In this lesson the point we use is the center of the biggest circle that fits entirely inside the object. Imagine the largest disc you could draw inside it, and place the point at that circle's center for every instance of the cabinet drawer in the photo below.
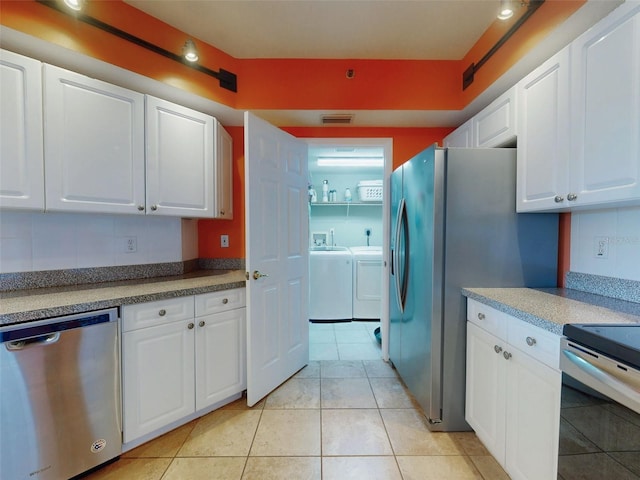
(150, 314)
(487, 318)
(220, 301)
(534, 341)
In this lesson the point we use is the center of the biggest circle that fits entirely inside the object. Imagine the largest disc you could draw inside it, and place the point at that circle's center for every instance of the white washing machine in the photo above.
(367, 282)
(330, 283)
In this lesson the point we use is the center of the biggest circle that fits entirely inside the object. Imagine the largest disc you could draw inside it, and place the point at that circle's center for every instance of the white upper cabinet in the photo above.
(495, 125)
(605, 127)
(461, 136)
(223, 173)
(579, 121)
(21, 138)
(94, 144)
(543, 144)
(180, 154)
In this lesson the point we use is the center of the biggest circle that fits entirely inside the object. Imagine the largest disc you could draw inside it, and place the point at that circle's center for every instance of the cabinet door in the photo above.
(605, 167)
(220, 356)
(179, 160)
(223, 174)
(460, 137)
(157, 375)
(533, 418)
(543, 141)
(485, 393)
(94, 144)
(495, 125)
(21, 158)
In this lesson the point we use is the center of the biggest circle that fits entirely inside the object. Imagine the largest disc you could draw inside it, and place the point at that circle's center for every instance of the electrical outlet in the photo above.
(224, 241)
(601, 247)
(367, 231)
(130, 244)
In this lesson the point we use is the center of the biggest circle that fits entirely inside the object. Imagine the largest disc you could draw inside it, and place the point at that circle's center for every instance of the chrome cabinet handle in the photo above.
(506, 355)
(201, 324)
(497, 348)
(558, 199)
(531, 341)
(190, 326)
(257, 275)
(481, 316)
(225, 301)
(140, 208)
(162, 312)
(154, 207)
(571, 197)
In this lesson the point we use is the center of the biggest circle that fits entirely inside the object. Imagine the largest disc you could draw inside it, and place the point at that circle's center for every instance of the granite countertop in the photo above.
(27, 305)
(551, 308)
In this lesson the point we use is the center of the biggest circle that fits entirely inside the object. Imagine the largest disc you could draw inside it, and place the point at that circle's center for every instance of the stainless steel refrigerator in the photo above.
(454, 225)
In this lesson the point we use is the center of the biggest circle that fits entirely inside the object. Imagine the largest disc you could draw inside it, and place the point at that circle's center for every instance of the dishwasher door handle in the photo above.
(48, 339)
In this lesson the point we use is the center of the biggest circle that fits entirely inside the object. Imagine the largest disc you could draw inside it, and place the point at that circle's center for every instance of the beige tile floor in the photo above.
(343, 341)
(335, 419)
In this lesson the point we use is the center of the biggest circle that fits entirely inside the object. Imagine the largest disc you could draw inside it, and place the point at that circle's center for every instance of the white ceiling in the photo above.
(330, 29)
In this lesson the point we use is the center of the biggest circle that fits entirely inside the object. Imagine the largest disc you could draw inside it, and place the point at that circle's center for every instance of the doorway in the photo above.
(349, 208)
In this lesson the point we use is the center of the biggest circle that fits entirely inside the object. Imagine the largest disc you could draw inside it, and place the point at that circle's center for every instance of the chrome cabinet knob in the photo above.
(225, 301)
(201, 324)
(154, 207)
(481, 316)
(162, 312)
(571, 197)
(140, 208)
(531, 341)
(257, 275)
(506, 355)
(190, 326)
(497, 348)
(558, 199)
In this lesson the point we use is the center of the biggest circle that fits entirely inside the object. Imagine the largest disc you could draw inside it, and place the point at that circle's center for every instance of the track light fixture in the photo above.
(532, 6)
(506, 10)
(75, 5)
(189, 56)
(189, 51)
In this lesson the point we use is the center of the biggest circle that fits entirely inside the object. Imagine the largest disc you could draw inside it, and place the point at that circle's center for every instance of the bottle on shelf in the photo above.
(347, 195)
(325, 190)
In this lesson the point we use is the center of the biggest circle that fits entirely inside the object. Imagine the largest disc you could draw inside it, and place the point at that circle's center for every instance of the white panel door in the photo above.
(277, 248)
(485, 389)
(94, 144)
(179, 160)
(532, 387)
(461, 136)
(21, 142)
(543, 141)
(605, 163)
(220, 356)
(157, 378)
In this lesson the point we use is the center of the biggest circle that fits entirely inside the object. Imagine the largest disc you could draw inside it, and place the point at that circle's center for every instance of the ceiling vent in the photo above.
(345, 119)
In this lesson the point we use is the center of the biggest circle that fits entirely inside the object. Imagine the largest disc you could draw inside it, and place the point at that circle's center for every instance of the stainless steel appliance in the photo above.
(600, 409)
(454, 225)
(59, 396)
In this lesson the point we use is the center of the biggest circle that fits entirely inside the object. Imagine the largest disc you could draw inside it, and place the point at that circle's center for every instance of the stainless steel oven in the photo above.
(600, 410)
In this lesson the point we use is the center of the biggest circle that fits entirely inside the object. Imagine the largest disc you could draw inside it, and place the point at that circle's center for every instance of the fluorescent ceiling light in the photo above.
(351, 161)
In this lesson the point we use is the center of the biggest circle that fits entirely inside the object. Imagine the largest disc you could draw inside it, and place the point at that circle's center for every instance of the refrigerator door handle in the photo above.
(401, 265)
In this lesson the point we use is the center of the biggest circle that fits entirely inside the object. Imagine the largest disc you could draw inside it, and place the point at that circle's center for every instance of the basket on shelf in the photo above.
(370, 190)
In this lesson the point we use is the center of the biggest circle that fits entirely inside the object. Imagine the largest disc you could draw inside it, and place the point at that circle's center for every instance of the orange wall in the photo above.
(285, 83)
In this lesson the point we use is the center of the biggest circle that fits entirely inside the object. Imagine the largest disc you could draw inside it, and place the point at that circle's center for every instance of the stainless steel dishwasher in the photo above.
(59, 396)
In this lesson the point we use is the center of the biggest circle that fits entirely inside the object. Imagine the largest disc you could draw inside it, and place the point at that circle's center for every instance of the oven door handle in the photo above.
(601, 376)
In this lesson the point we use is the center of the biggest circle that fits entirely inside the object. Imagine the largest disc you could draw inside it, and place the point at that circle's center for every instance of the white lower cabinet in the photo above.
(175, 363)
(513, 397)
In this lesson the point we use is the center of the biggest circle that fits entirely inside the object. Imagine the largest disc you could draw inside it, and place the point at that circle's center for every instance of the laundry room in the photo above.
(345, 253)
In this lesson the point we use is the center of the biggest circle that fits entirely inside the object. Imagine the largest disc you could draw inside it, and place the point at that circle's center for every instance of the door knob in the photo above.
(257, 275)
